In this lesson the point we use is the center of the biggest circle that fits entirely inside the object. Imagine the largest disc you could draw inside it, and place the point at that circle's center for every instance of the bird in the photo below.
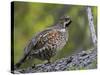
(47, 43)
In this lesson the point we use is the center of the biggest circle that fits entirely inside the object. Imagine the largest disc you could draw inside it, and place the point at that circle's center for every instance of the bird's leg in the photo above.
(48, 61)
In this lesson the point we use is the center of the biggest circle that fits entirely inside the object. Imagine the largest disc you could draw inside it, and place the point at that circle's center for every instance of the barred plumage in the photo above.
(48, 42)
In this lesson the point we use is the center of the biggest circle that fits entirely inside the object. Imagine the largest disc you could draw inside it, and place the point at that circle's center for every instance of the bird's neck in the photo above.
(62, 30)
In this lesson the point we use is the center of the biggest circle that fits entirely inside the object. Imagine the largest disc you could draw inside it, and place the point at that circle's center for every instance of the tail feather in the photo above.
(17, 65)
(27, 52)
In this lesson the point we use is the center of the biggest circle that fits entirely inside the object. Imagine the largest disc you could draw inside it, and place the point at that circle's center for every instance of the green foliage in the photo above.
(31, 18)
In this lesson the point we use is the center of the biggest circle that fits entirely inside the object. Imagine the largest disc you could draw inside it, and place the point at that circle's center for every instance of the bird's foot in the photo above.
(33, 66)
(48, 63)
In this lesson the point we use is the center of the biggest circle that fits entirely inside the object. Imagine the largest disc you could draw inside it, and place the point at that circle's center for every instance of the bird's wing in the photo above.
(37, 41)
(42, 38)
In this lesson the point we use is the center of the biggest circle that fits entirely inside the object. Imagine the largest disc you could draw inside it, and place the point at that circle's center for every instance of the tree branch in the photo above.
(82, 60)
(91, 25)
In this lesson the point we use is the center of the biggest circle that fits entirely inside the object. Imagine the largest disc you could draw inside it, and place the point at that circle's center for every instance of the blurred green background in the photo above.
(31, 18)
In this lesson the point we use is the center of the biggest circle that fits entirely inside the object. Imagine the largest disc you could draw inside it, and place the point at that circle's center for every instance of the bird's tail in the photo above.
(17, 65)
(27, 50)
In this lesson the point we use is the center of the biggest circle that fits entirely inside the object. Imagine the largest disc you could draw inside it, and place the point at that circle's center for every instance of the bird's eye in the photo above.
(66, 19)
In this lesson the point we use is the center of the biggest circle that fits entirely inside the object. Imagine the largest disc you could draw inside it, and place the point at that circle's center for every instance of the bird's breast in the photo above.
(57, 39)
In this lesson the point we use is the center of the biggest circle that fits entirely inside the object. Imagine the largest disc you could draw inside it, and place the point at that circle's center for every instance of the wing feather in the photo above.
(37, 41)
